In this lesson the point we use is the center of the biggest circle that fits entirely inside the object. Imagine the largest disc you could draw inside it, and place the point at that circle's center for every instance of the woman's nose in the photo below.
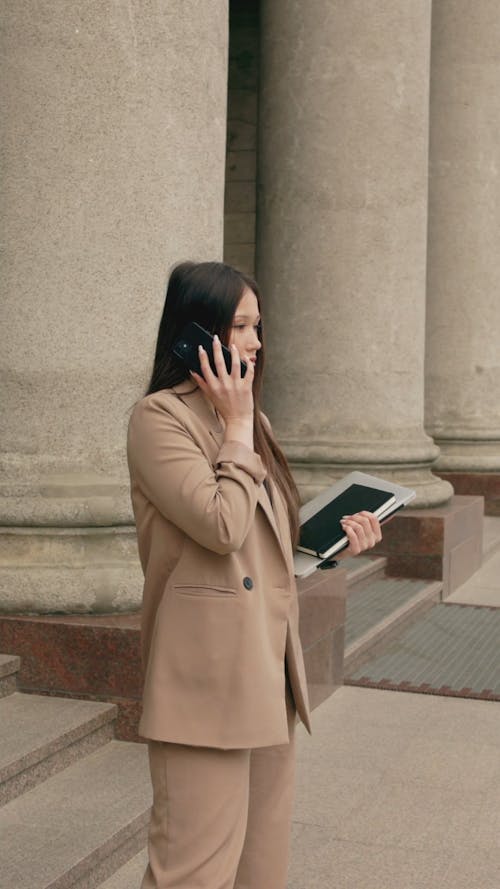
(256, 343)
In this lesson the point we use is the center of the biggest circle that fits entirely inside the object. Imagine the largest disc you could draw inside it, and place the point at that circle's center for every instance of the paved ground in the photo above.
(394, 791)
(401, 791)
(398, 791)
(483, 588)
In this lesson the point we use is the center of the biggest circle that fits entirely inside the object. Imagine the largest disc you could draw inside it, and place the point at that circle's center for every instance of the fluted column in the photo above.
(114, 150)
(342, 237)
(463, 313)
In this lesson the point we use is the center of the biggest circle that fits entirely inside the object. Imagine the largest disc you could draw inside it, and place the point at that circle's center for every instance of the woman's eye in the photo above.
(257, 327)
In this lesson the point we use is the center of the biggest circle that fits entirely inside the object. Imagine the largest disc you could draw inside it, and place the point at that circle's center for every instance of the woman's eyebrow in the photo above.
(245, 317)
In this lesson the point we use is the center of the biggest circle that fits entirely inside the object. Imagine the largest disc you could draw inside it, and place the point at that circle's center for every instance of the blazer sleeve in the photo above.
(215, 507)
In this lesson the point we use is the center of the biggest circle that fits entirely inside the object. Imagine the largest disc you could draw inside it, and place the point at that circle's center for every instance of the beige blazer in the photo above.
(220, 607)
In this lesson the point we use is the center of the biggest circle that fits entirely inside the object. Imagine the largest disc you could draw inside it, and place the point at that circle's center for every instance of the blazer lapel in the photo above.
(265, 503)
(191, 394)
(281, 516)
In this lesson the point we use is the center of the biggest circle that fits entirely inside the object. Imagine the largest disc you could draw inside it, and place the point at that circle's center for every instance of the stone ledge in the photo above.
(443, 543)
(322, 601)
(97, 657)
(90, 657)
(484, 484)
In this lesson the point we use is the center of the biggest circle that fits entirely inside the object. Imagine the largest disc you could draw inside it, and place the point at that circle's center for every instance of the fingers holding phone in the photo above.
(230, 393)
(187, 345)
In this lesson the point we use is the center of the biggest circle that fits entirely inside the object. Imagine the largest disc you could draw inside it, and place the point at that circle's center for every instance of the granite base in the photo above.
(484, 484)
(443, 543)
(98, 657)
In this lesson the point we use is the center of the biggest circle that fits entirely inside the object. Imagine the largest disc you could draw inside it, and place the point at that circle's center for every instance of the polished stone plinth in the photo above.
(97, 657)
(322, 600)
(444, 543)
(484, 484)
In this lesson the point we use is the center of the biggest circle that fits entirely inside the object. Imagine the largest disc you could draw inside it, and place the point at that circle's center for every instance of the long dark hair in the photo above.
(209, 293)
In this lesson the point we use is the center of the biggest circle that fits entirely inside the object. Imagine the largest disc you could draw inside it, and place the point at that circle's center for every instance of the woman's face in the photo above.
(244, 330)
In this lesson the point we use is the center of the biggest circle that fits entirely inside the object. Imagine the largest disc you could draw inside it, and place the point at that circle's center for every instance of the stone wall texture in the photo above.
(345, 152)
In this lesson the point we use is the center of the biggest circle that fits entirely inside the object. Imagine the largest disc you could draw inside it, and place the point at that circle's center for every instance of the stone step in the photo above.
(79, 826)
(452, 649)
(41, 735)
(375, 610)
(130, 875)
(88, 656)
(363, 567)
(9, 667)
(491, 536)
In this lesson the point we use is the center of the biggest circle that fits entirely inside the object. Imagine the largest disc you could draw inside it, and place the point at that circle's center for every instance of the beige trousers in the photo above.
(221, 818)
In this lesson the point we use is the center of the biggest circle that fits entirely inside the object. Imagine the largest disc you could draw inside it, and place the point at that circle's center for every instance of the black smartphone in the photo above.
(186, 348)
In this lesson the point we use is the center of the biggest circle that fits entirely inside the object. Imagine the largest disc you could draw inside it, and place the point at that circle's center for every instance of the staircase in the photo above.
(424, 644)
(74, 802)
(379, 605)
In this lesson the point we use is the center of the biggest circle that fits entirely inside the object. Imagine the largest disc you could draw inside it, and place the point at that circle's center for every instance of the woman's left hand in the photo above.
(363, 532)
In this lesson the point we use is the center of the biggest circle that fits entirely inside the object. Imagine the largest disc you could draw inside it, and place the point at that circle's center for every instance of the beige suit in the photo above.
(219, 621)
(220, 607)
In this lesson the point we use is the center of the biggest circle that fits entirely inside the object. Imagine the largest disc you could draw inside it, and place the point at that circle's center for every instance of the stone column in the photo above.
(463, 312)
(113, 150)
(342, 237)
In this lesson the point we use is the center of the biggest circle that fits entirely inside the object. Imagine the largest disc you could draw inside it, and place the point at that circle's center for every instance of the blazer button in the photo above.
(248, 583)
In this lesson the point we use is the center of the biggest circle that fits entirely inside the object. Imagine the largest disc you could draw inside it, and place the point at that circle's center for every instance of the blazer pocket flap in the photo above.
(196, 589)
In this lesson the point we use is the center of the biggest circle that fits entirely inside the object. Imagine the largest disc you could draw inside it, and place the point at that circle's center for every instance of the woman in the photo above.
(216, 510)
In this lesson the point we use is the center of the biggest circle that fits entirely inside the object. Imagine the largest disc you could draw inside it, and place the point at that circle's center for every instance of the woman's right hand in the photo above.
(230, 393)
